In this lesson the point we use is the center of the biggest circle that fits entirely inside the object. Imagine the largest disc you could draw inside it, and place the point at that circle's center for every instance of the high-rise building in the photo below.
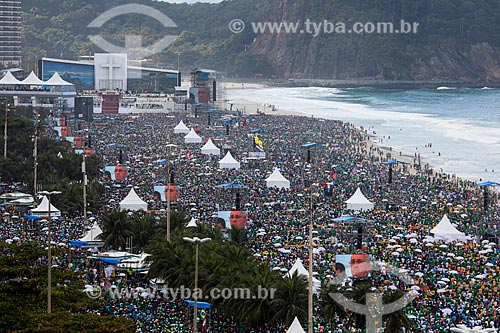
(10, 33)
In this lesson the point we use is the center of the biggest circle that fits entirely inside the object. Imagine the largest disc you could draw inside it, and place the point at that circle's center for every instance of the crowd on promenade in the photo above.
(456, 282)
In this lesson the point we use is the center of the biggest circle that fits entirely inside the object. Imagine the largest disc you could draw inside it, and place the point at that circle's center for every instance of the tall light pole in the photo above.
(5, 132)
(310, 279)
(84, 171)
(35, 154)
(49, 269)
(169, 183)
(196, 241)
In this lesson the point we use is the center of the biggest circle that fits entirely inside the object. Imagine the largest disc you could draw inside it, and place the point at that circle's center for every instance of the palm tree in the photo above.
(358, 295)
(395, 321)
(256, 310)
(144, 227)
(172, 261)
(116, 229)
(291, 299)
(331, 309)
(239, 236)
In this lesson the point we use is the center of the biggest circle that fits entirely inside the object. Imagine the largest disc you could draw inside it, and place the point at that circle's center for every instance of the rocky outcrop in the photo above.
(369, 57)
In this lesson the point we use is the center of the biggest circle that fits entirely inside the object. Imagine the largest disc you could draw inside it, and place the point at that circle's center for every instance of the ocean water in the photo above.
(463, 125)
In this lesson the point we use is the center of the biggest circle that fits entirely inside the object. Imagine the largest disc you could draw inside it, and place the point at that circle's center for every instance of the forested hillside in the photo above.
(456, 40)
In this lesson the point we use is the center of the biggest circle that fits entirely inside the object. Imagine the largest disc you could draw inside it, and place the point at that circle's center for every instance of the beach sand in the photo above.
(243, 85)
(250, 107)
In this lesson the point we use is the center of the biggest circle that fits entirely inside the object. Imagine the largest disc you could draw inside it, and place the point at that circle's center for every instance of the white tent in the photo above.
(181, 128)
(192, 137)
(93, 234)
(359, 202)
(446, 230)
(295, 327)
(192, 223)
(276, 179)
(56, 80)
(33, 80)
(210, 148)
(92, 237)
(301, 271)
(9, 79)
(133, 202)
(43, 209)
(228, 162)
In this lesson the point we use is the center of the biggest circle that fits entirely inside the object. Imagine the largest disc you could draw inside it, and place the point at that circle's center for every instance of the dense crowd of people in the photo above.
(455, 281)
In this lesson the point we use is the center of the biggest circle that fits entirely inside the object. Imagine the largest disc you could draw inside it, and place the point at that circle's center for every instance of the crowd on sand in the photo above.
(455, 282)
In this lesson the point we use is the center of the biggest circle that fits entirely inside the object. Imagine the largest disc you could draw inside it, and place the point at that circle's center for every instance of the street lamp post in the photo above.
(5, 132)
(169, 180)
(196, 241)
(84, 171)
(310, 280)
(49, 264)
(35, 153)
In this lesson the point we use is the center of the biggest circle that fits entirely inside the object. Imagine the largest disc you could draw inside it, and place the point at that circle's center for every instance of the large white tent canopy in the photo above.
(43, 209)
(56, 80)
(446, 230)
(9, 79)
(133, 202)
(295, 327)
(210, 149)
(33, 80)
(181, 128)
(192, 137)
(276, 179)
(92, 236)
(358, 202)
(301, 271)
(228, 162)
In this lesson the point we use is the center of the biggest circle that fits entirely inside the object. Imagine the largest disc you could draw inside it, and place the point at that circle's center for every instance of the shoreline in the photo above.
(253, 108)
(380, 84)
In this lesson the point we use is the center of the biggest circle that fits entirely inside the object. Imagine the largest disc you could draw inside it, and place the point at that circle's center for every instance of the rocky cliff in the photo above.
(444, 48)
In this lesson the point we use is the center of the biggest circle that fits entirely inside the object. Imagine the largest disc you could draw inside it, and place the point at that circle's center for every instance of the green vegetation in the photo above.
(117, 226)
(23, 297)
(227, 264)
(54, 173)
(55, 28)
(447, 30)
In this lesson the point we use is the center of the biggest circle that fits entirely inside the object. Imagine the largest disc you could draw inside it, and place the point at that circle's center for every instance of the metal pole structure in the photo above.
(35, 156)
(169, 183)
(168, 198)
(310, 287)
(84, 171)
(49, 259)
(195, 308)
(196, 241)
(49, 276)
(5, 133)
